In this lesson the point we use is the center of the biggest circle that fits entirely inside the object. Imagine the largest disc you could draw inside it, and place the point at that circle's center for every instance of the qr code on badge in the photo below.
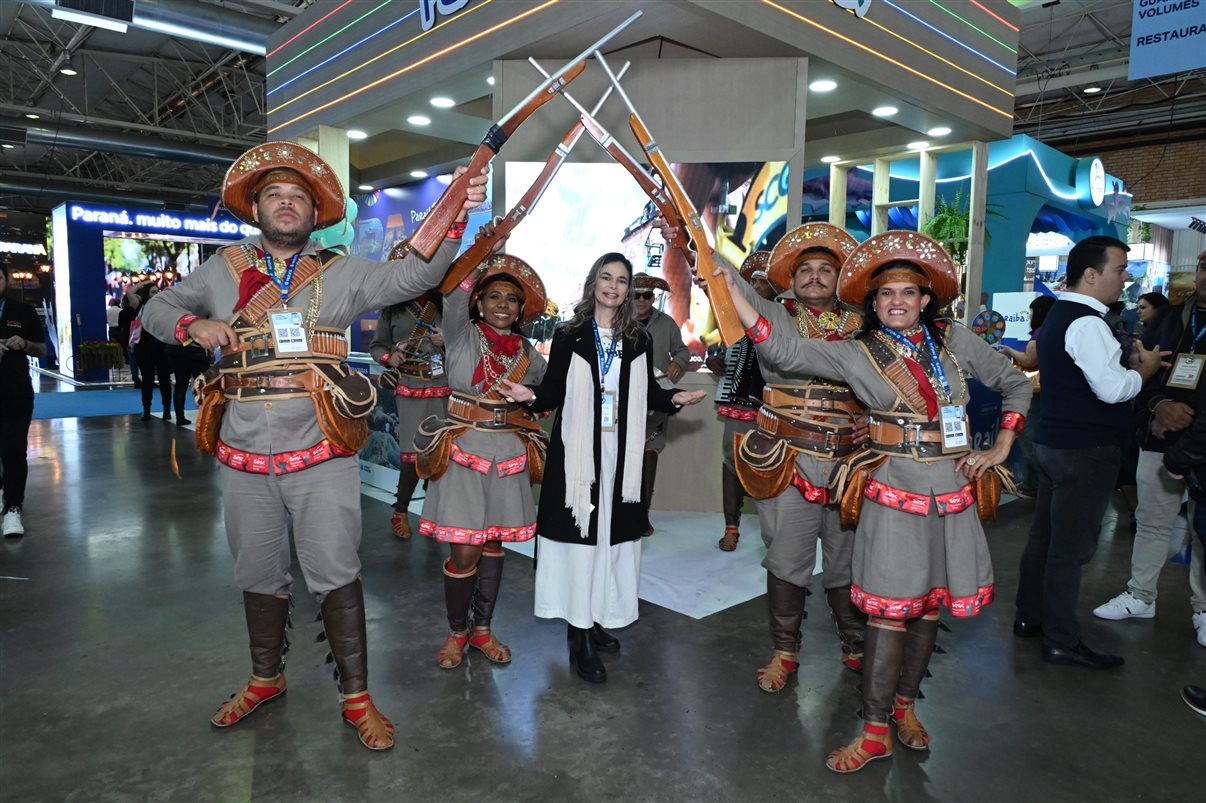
(295, 333)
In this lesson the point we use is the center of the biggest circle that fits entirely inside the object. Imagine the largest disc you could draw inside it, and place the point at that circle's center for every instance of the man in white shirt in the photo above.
(1085, 420)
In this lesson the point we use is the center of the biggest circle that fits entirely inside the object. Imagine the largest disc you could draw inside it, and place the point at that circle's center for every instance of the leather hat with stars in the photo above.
(504, 265)
(937, 271)
(757, 263)
(285, 162)
(643, 281)
(832, 241)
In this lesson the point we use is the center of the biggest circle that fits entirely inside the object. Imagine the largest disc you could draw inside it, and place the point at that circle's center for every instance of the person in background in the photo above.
(1149, 306)
(1028, 361)
(125, 321)
(186, 362)
(152, 356)
(112, 318)
(21, 336)
(670, 358)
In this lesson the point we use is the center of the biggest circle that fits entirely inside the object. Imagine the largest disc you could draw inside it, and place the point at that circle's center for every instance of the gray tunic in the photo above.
(395, 325)
(905, 564)
(467, 506)
(666, 347)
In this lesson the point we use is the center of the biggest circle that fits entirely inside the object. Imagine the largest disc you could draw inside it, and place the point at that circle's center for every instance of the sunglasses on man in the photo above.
(644, 295)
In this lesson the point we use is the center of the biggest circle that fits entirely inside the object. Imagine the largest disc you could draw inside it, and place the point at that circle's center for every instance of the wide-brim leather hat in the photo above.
(831, 240)
(309, 170)
(937, 271)
(534, 296)
(757, 263)
(643, 281)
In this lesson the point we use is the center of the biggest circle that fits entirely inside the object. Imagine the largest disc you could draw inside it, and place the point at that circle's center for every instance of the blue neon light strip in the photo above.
(963, 45)
(329, 59)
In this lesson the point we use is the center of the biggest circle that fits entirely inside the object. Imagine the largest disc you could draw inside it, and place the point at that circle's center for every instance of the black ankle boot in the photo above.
(603, 640)
(584, 657)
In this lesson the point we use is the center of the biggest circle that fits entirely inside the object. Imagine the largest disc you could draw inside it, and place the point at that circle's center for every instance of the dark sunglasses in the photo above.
(645, 295)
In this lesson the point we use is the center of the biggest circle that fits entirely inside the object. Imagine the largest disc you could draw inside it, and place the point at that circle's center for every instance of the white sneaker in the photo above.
(12, 526)
(1125, 606)
(1199, 624)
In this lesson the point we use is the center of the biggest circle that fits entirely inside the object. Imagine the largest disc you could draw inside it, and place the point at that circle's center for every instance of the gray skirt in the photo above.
(411, 412)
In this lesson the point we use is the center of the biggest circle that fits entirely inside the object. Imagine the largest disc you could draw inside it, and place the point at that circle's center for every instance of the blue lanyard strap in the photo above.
(608, 357)
(1198, 334)
(933, 350)
(282, 282)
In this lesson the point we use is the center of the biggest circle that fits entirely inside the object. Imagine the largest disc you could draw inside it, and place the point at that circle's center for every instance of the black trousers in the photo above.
(1074, 487)
(15, 415)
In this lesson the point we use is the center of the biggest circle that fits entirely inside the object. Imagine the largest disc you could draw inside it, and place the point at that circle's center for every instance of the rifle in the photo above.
(476, 253)
(432, 230)
(648, 183)
(727, 321)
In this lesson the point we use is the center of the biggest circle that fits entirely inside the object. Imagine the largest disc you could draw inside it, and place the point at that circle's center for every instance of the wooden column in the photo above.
(975, 235)
(880, 186)
(837, 195)
(926, 188)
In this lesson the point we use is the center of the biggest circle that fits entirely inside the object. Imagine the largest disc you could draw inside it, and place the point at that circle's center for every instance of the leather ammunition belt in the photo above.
(416, 369)
(896, 435)
(255, 348)
(480, 413)
(834, 440)
(242, 387)
(821, 399)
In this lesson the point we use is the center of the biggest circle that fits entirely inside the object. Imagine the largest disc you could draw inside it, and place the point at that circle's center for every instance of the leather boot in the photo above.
(851, 626)
(458, 597)
(785, 604)
(920, 636)
(732, 495)
(881, 671)
(342, 612)
(408, 480)
(603, 640)
(267, 616)
(648, 477)
(583, 656)
(489, 579)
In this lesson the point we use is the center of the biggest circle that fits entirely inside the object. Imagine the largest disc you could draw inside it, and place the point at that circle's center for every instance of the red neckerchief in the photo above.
(500, 346)
(250, 282)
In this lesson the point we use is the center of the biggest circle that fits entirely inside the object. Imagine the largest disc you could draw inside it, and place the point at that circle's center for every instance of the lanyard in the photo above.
(933, 349)
(605, 359)
(1198, 334)
(282, 283)
(3, 301)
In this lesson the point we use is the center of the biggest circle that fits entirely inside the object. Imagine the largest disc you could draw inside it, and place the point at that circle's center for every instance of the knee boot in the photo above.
(648, 477)
(785, 604)
(881, 672)
(408, 480)
(458, 597)
(267, 617)
(851, 626)
(342, 612)
(485, 595)
(733, 495)
(919, 641)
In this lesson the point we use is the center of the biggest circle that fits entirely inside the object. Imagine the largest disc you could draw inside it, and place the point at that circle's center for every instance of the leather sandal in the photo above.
(257, 692)
(484, 641)
(375, 731)
(909, 730)
(728, 541)
(773, 677)
(400, 524)
(853, 661)
(453, 651)
(874, 742)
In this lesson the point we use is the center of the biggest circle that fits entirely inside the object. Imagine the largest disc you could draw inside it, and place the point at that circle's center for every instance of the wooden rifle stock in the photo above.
(727, 321)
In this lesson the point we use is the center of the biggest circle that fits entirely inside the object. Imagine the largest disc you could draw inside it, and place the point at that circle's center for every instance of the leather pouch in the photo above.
(764, 464)
(345, 433)
(352, 393)
(849, 483)
(433, 447)
(211, 405)
(988, 491)
(537, 444)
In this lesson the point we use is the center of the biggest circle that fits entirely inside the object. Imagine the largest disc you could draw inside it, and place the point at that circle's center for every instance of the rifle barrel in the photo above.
(570, 97)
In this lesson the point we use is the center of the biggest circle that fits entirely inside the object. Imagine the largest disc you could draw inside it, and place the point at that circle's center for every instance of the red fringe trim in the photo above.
(911, 607)
(464, 535)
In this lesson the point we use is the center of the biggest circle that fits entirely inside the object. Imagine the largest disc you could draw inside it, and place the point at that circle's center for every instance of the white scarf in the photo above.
(578, 436)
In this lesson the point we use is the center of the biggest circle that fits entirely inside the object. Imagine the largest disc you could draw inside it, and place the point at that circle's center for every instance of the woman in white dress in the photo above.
(590, 521)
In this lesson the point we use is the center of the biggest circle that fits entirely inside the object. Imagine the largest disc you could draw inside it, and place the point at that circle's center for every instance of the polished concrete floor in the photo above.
(122, 631)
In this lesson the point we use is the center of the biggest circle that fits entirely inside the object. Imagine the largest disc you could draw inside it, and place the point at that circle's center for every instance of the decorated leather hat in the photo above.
(535, 298)
(285, 162)
(756, 265)
(937, 271)
(643, 281)
(833, 242)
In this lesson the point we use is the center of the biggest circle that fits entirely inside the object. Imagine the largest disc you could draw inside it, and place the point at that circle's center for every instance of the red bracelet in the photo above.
(457, 230)
(759, 331)
(182, 328)
(468, 283)
(384, 359)
(1013, 422)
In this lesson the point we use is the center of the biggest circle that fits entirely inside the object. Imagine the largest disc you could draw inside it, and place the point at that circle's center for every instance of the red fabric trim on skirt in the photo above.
(433, 392)
(736, 413)
(919, 504)
(911, 607)
(409, 457)
(280, 463)
(465, 535)
(810, 492)
(481, 465)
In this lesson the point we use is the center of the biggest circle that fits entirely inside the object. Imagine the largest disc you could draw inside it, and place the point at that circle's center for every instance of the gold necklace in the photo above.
(827, 323)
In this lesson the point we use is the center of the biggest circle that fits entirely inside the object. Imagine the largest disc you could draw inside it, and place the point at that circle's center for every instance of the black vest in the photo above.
(1072, 417)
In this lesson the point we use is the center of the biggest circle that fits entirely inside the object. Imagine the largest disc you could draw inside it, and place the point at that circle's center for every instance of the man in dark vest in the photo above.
(1086, 418)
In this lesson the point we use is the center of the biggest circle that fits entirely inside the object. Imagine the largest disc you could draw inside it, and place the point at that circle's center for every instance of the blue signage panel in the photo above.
(1167, 36)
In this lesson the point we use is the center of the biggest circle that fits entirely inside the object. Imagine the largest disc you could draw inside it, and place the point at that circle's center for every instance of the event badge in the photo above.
(607, 411)
(954, 428)
(437, 365)
(1186, 371)
(288, 332)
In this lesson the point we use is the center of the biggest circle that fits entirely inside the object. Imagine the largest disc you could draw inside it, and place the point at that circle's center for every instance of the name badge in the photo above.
(954, 427)
(437, 365)
(288, 332)
(1186, 371)
(607, 411)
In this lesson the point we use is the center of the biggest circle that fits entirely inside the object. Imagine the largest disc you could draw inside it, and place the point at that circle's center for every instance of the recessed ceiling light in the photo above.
(33, 116)
(418, 119)
(824, 85)
(884, 111)
(830, 159)
(940, 131)
(920, 145)
(7, 146)
(490, 80)
(443, 103)
(1091, 90)
(366, 188)
(355, 133)
(418, 174)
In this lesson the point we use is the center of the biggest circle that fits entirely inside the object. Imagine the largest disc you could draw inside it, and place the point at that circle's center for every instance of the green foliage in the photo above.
(951, 224)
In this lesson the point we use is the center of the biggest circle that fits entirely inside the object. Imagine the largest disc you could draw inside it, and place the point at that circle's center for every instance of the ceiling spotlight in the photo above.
(490, 80)
(418, 174)
(67, 69)
(940, 131)
(830, 159)
(443, 103)
(1091, 90)
(920, 145)
(355, 133)
(824, 85)
(7, 146)
(366, 188)
(33, 116)
(884, 111)
(418, 119)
